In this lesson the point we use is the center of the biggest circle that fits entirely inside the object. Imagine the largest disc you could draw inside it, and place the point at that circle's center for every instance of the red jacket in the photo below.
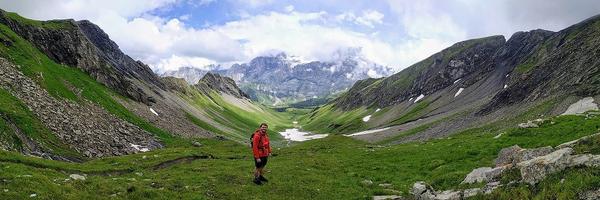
(260, 145)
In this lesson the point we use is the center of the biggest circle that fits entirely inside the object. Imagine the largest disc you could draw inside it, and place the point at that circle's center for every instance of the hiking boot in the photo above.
(257, 181)
(262, 178)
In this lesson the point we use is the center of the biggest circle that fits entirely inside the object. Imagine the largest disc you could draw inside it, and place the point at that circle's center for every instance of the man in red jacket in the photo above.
(261, 150)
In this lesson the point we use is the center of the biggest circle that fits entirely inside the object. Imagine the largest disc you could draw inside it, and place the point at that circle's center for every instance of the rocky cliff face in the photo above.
(214, 82)
(463, 63)
(85, 46)
(562, 63)
(536, 64)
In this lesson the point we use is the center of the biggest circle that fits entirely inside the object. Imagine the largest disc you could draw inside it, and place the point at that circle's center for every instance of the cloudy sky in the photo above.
(168, 34)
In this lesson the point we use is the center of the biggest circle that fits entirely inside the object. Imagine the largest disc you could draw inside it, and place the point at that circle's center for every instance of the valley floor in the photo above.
(336, 167)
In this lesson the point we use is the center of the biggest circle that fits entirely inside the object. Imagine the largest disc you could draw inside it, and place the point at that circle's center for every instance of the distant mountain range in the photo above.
(283, 79)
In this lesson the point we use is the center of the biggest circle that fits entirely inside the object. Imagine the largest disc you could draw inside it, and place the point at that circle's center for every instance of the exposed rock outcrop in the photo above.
(84, 45)
(533, 164)
(215, 82)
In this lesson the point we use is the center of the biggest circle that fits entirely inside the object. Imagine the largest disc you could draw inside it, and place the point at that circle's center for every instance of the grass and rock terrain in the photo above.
(335, 167)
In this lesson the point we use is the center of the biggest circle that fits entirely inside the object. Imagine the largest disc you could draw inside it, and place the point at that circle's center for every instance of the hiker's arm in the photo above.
(255, 141)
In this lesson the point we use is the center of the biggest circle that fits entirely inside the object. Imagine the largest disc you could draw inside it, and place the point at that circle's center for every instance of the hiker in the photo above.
(261, 150)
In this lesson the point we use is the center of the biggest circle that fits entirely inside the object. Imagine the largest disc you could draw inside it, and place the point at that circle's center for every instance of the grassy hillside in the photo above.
(327, 119)
(57, 79)
(243, 122)
(330, 168)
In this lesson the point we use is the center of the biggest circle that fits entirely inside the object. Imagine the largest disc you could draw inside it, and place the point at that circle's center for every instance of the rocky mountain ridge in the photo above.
(282, 78)
(476, 82)
(85, 46)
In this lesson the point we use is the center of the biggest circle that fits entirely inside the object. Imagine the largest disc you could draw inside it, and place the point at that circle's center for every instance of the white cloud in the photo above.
(185, 17)
(368, 18)
(175, 62)
(300, 34)
(289, 8)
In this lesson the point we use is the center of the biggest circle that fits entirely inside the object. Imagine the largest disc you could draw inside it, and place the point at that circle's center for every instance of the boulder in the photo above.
(575, 142)
(448, 195)
(491, 186)
(529, 124)
(471, 192)
(483, 174)
(528, 154)
(77, 177)
(590, 195)
(422, 191)
(506, 155)
(536, 169)
(388, 197)
(588, 160)
(366, 182)
(515, 154)
(196, 144)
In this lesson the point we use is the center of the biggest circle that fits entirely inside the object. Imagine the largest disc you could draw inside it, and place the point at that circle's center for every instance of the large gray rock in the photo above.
(448, 195)
(506, 155)
(515, 154)
(590, 195)
(77, 177)
(484, 174)
(575, 142)
(535, 170)
(528, 154)
(422, 191)
(388, 197)
(529, 124)
(471, 192)
(584, 160)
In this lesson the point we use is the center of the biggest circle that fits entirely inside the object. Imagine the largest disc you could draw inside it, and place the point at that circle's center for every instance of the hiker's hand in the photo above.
(270, 154)
(258, 160)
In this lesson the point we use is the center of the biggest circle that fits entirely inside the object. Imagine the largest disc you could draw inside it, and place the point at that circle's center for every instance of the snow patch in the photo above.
(459, 91)
(581, 106)
(419, 98)
(498, 136)
(295, 135)
(152, 110)
(368, 131)
(505, 86)
(367, 118)
(456, 81)
(139, 147)
(378, 109)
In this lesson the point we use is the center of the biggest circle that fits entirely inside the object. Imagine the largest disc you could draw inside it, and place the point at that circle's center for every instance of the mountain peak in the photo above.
(215, 82)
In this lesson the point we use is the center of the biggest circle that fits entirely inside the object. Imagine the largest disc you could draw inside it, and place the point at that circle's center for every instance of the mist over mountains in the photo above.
(281, 79)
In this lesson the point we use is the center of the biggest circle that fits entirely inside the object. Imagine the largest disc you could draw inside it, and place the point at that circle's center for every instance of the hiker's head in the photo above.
(263, 127)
